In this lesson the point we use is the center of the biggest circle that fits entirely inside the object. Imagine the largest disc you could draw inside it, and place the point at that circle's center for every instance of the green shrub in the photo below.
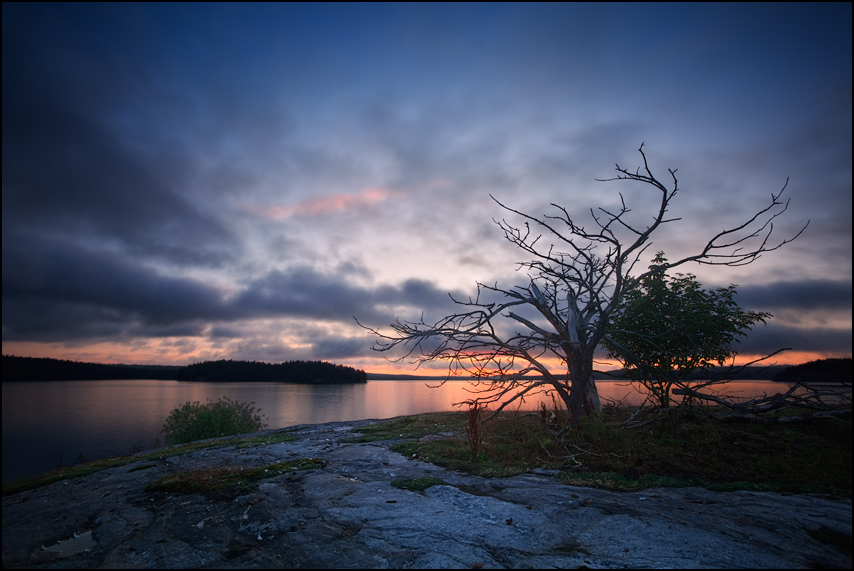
(194, 421)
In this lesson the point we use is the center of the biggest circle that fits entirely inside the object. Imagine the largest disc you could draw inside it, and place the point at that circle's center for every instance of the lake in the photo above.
(52, 422)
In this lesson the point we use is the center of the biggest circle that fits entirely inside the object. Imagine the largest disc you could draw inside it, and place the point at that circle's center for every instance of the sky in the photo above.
(190, 182)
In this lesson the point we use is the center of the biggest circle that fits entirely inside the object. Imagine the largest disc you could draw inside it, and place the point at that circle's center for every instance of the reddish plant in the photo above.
(473, 430)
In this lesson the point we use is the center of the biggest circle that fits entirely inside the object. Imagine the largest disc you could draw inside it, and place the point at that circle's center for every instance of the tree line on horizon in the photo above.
(288, 372)
(822, 370)
(46, 369)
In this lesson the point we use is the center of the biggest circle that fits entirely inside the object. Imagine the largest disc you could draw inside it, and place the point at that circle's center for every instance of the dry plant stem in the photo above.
(630, 423)
(473, 431)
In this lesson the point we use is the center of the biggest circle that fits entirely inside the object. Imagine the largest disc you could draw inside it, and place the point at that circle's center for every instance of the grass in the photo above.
(414, 426)
(79, 470)
(227, 483)
(418, 484)
(676, 450)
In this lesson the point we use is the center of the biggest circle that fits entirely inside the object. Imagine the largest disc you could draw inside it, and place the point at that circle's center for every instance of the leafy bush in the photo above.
(667, 328)
(194, 421)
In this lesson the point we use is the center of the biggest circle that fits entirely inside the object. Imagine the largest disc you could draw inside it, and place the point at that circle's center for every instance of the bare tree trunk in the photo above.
(591, 397)
(583, 396)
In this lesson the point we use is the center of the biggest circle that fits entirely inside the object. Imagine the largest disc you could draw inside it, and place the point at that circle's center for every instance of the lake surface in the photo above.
(52, 422)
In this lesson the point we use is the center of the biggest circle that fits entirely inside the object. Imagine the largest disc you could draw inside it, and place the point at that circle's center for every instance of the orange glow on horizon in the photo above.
(108, 353)
(785, 358)
(164, 354)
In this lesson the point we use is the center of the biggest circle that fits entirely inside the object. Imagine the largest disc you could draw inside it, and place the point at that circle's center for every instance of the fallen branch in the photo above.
(757, 409)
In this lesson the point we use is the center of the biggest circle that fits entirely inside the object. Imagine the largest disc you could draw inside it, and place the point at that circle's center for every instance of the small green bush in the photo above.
(194, 421)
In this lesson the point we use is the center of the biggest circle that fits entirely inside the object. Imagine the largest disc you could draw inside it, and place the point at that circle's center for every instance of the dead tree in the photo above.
(576, 278)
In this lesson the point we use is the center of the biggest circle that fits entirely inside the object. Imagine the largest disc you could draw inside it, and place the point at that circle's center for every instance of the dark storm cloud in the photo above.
(805, 295)
(765, 340)
(226, 332)
(101, 278)
(62, 174)
(301, 292)
(137, 137)
(334, 347)
(66, 171)
(54, 291)
(31, 319)
(305, 292)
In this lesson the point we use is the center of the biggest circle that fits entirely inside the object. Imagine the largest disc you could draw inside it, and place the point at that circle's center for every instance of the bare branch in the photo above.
(578, 277)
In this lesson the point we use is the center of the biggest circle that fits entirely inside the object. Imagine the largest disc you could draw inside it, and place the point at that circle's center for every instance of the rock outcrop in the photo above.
(348, 514)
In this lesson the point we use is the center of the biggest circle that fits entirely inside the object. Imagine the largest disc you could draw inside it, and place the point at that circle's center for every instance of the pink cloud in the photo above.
(321, 205)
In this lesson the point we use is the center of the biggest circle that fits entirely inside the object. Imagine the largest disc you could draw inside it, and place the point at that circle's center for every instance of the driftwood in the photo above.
(819, 402)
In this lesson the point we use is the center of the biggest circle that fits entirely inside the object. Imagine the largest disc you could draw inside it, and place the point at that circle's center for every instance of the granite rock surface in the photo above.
(348, 514)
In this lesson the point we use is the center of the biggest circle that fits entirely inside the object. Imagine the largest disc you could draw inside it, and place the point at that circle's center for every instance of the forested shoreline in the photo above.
(823, 370)
(288, 372)
(46, 369)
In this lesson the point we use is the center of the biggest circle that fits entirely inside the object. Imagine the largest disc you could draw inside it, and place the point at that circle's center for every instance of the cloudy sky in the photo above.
(193, 182)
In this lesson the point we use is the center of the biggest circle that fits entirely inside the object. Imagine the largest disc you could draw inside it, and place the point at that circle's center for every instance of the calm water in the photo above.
(46, 423)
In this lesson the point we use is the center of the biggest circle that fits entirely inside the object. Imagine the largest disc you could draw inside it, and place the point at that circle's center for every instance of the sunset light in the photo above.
(427, 285)
(355, 180)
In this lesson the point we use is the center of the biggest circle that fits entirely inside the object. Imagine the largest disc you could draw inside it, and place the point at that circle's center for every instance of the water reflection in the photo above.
(46, 421)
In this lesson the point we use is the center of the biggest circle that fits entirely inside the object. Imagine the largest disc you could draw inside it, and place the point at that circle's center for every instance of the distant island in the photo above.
(821, 371)
(290, 372)
(45, 369)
